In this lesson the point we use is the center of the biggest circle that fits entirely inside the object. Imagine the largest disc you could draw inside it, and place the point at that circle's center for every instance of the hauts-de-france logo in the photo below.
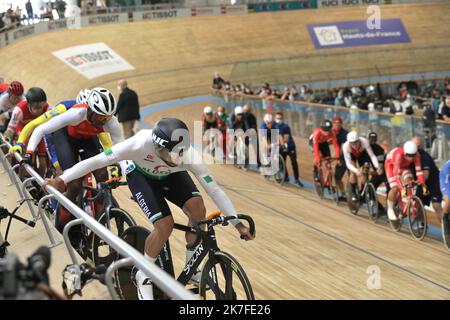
(328, 36)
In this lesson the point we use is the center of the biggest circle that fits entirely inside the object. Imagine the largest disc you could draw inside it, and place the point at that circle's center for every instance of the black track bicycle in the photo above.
(367, 196)
(101, 205)
(222, 277)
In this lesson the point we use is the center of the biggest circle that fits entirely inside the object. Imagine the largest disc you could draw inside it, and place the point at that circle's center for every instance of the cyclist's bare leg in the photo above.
(446, 206)
(438, 209)
(42, 167)
(101, 175)
(391, 199)
(195, 209)
(353, 181)
(162, 230)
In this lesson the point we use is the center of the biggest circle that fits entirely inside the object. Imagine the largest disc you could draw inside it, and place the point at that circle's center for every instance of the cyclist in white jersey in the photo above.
(156, 170)
(357, 150)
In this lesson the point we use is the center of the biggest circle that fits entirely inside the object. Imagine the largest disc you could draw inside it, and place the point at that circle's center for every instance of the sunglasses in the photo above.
(100, 118)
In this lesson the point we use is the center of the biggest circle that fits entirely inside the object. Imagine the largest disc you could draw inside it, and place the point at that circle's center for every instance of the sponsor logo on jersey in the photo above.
(208, 179)
(149, 158)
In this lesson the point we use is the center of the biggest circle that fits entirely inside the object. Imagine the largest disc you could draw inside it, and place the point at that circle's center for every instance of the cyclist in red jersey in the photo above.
(80, 128)
(319, 141)
(397, 166)
(12, 95)
(26, 111)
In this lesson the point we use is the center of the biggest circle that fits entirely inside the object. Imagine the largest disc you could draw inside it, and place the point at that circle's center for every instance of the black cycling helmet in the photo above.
(35, 94)
(171, 132)
(326, 125)
(373, 136)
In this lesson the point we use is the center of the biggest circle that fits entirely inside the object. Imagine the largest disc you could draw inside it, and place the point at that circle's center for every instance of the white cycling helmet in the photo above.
(238, 110)
(83, 96)
(410, 148)
(352, 136)
(268, 118)
(102, 102)
(207, 110)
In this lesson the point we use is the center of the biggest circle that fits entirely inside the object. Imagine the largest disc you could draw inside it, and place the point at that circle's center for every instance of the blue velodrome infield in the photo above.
(148, 110)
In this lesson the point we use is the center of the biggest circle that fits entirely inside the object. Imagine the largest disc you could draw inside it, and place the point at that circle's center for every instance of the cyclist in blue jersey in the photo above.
(444, 179)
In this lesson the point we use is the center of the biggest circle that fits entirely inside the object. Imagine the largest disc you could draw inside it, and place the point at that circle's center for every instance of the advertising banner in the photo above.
(56, 24)
(357, 33)
(104, 19)
(233, 9)
(93, 60)
(206, 11)
(281, 6)
(347, 3)
(161, 14)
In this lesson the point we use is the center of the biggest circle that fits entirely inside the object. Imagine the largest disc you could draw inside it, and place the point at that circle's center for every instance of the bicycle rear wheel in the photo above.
(370, 198)
(417, 219)
(119, 221)
(224, 279)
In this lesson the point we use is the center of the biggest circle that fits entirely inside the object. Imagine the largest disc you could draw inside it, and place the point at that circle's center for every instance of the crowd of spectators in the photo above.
(42, 11)
(409, 98)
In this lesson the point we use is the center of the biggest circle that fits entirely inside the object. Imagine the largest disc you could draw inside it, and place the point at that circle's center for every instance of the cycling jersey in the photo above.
(379, 152)
(3, 87)
(60, 108)
(444, 179)
(6, 106)
(21, 116)
(77, 127)
(210, 125)
(352, 153)
(140, 151)
(318, 137)
(396, 166)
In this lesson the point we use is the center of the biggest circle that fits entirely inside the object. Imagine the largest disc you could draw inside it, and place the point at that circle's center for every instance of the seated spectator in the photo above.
(293, 94)
(445, 111)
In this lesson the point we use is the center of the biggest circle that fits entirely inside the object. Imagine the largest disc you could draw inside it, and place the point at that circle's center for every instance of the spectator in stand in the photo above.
(29, 8)
(339, 101)
(293, 94)
(218, 82)
(127, 108)
(445, 111)
(60, 8)
(2, 23)
(287, 147)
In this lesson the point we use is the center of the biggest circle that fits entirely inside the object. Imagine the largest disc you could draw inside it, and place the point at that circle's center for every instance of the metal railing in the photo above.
(159, 277)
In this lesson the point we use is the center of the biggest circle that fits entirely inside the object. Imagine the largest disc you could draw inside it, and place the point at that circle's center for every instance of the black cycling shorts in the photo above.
(151, 194)
(363, 158)
(434, 191)
(69, 149)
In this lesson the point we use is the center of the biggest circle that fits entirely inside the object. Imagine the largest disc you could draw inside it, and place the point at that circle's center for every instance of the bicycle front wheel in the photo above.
(417, 218)
(281, 173)
(224, 279)
(370, 197)
(119, 221)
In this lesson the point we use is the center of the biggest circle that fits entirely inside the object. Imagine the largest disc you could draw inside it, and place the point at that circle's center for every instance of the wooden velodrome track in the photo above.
(304, 249)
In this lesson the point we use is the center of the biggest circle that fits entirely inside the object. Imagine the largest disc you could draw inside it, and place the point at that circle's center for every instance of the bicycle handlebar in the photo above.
(219, 220)
(107, 185)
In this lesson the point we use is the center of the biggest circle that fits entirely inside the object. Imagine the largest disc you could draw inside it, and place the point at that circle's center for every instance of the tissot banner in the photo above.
(93, 60)
(357, 33)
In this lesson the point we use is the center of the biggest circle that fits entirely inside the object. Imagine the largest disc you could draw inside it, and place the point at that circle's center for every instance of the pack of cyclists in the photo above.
(400, 167)
(155, 162)
(82, 135)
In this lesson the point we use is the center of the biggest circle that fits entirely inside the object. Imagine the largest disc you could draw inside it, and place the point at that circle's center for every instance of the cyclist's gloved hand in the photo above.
(16, 148)
(8, 136)
(245, 232)
(116, 171)
(425, 190)
(27, 157)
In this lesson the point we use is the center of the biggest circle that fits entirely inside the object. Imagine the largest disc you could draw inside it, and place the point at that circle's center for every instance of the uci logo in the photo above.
(159, 140)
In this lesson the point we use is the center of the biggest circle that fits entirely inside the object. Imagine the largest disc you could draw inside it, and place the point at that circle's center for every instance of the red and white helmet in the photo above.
(15, 88)
(268, 118)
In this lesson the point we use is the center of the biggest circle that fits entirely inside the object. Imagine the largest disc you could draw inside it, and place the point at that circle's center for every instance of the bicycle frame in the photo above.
(404, 207)
(207, 246)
